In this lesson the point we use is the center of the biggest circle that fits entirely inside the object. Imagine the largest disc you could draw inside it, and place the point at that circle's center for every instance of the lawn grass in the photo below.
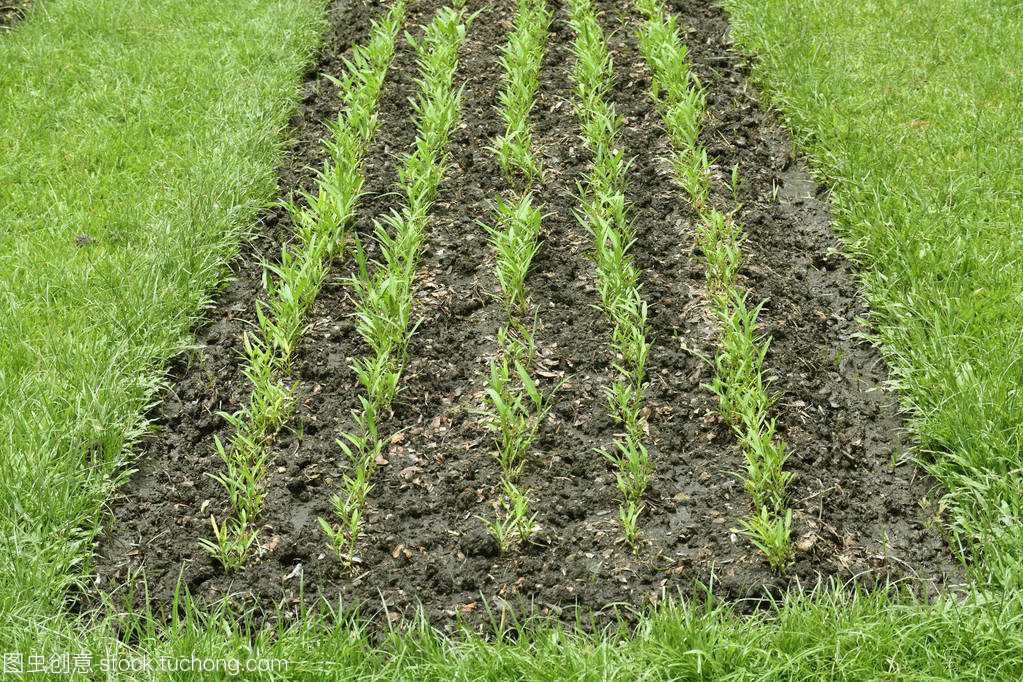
(911, 112)
(844, 635)
(139, 139)
(149, 131)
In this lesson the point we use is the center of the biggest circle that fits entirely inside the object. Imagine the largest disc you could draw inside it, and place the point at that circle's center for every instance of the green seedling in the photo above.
(513, 155)
(604, 214)
(738, 379)
(674, 87)
(720, 242)
(384, 288)
(772, 535)
(623, 402)
(515, 411)
(513, 518)
(270, 402)
(692, 170)
(521, 59)
(738, 366)
(245, 464)
(634, 468)
(766, 456)
(500, 529)
(518, 512)
(349, 509)
(516, 407)
(293, 283)
(232, 542)
(514, 238)
(628, 514)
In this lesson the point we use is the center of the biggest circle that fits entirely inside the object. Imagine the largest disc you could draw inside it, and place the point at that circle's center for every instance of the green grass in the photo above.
(911, 112)
(139, 139)
(852, 636)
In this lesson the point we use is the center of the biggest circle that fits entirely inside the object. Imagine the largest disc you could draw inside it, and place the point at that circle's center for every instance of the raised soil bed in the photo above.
(860, 509)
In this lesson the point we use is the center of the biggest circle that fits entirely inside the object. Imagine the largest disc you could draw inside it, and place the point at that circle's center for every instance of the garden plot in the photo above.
(636, 483)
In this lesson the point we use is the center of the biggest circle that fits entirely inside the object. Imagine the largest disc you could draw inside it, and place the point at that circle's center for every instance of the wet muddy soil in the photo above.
(860, 509)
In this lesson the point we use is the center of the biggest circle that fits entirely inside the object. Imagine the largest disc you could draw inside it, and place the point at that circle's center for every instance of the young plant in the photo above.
(720, 244)
(501, 528)
(244, 464)
(693, 172)
(766, 478)
(349, 509)
(604, 214)
(384, 288)
(515, 240)
(634, 469)
(233, 540)
(513, 518)
(738, 366)
(680, 96)
(521, 59)
(738, 378)
(292, 285)
(771, 533)
(516, 407)
(518, 513)
(743, 401)
(628, 515)
(677, 91)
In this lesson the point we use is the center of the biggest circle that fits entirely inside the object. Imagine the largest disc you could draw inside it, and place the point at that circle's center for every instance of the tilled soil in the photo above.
(860, 509)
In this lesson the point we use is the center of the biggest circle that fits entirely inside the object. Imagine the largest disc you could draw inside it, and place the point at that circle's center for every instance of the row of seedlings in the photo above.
(604, 215)
(384, 289)
(738, 383)
(515, 407)
(320, 228)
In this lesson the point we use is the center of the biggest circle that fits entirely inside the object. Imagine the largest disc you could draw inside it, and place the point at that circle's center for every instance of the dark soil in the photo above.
(860, 509)
(11, 12)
